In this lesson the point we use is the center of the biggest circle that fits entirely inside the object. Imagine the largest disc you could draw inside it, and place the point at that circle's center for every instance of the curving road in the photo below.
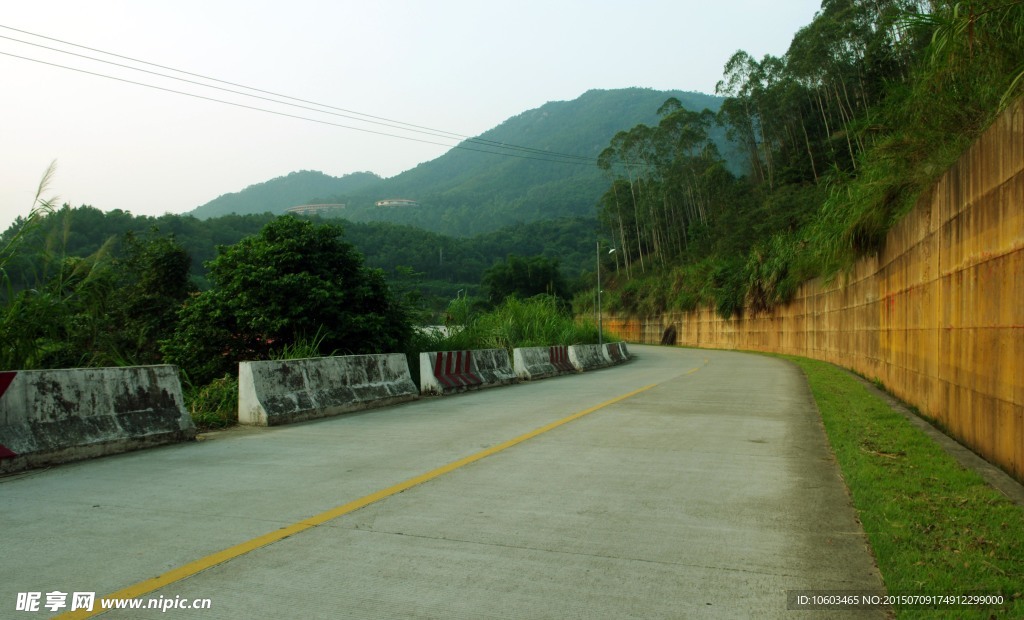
(687, 483)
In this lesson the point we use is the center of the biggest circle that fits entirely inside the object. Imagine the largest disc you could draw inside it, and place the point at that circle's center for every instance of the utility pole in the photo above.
(600, 327)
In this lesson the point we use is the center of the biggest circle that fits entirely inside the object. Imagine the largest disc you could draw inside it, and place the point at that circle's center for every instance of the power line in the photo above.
(285, 114)
(547, 155)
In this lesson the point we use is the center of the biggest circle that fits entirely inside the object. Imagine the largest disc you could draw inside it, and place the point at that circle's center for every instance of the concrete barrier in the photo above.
(617, 352)
(560, 358)
(445, 372)
(594, 356)
(284, 391)
(588, 357)
(54, 416)
(533, 363)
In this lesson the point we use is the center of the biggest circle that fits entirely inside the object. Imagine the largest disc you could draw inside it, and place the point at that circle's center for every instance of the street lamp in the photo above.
(600, 326)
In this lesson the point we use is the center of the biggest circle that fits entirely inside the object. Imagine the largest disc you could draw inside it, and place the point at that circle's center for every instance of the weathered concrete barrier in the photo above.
(283, 391)
(588, 357)
(54, 416)
(533, 363)
(444, 372)
(593, 356)
(617, 352)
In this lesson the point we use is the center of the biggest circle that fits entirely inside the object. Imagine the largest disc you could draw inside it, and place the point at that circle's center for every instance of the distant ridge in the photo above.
(291, 190)
(467, 192)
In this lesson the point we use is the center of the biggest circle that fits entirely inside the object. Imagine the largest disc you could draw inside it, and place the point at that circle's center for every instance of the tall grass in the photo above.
(214, 405)
(535, 322)
(19, 315)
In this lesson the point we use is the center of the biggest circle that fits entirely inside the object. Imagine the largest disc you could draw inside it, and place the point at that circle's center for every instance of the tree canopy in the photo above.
(523, 278)
(871, 102)
(294, 281)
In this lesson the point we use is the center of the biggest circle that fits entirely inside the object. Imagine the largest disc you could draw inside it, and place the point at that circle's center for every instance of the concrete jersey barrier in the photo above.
(443, 372)
(616, 352)
(589, 356)
(54, 416)
(533, 363)
(284, 391)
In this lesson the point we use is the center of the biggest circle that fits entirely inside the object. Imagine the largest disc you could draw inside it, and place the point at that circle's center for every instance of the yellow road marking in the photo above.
(693, 370)
(187, 570)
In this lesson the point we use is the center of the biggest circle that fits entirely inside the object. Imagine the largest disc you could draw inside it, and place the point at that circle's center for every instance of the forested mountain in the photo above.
(873, 100)
(474, 190)
(293, 189)
(437, 264)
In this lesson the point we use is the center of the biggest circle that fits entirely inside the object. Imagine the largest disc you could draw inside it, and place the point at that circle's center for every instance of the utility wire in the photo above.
(547, 155)
(295, 116)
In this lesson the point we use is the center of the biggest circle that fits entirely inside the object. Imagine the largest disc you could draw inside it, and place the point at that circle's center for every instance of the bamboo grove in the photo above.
(871, 102)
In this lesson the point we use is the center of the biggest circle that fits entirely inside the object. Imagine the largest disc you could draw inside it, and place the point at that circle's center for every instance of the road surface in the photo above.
(686, 483)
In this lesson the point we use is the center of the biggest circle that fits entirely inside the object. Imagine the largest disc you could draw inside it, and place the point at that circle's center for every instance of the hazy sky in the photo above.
(457, 65)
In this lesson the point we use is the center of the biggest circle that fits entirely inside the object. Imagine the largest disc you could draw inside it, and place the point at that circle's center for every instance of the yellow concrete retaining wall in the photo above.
(937, 316)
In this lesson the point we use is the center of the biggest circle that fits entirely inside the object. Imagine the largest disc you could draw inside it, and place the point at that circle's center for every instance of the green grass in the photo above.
(214, 405)
(535, 322)
(935, 527)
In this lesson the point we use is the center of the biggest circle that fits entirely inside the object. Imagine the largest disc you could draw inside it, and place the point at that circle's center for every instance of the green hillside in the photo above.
(466, 192)
(441, 264)
(841, 135)
(278, 194)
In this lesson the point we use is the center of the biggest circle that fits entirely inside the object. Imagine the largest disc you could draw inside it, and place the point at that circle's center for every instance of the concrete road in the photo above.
(688, 484)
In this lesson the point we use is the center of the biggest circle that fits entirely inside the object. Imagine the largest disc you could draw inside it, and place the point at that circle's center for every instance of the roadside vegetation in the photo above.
(935, 527)
(870, 104)
(431, 264)
(542, 320)
(295, 288)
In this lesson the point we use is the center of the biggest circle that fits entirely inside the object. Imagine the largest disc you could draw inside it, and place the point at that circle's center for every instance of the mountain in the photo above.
(467, 191)
(278, 194)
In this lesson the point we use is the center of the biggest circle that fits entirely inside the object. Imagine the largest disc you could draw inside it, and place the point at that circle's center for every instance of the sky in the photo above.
(460, 66)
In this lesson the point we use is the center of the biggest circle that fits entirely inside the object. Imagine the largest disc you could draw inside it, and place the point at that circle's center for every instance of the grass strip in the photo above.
(936, 528)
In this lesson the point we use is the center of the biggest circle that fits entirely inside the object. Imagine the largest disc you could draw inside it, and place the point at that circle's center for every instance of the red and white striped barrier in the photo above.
(532, 363)
(444, 372)
(6, 378)
(616, 352)
(559, 357)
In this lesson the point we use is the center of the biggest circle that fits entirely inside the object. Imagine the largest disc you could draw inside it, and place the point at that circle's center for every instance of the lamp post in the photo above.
(600, 326)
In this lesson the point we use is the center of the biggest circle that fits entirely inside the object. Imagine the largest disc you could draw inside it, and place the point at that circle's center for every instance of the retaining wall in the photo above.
(54, 416)
(279, 392)
(937, 315)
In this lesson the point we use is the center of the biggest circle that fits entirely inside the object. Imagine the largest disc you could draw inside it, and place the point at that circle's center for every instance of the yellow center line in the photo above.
(197, 566)
(695, 369)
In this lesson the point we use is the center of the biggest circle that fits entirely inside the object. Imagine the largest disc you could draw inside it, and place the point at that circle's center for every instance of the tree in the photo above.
(294, 281)
(523, 278)
(154, 283)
